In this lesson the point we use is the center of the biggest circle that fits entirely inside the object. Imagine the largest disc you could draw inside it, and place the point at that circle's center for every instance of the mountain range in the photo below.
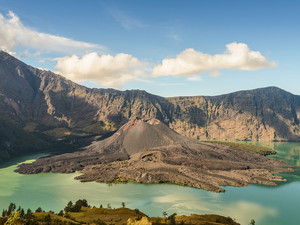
(40, 110)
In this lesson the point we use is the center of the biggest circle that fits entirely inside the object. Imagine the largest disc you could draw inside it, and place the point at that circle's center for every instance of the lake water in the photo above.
(279, 205)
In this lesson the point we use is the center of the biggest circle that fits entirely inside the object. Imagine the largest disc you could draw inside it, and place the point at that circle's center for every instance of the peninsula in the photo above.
(148, 151)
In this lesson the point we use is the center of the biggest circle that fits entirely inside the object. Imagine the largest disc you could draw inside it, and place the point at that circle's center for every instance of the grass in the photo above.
(208, 219)
(247, 147)
(120, 216)
(108, 216)
(40, 215)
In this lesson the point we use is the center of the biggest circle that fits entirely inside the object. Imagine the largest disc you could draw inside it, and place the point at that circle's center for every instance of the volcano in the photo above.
(148, 151)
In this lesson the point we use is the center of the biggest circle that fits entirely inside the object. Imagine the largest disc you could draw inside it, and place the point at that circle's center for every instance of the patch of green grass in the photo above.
(109, 216)
(100, 128)
(247, 147)
(55, 219)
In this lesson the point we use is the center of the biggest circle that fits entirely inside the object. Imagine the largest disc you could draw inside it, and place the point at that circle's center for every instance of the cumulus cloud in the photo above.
(14, 34)
(238, 56)
(106, 70)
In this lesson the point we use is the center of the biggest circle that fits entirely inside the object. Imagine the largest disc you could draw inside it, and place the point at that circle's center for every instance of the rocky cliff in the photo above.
(43, 103)
(266, 114)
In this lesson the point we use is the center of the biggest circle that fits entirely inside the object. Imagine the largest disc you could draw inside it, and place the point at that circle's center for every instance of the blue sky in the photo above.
(120, 43)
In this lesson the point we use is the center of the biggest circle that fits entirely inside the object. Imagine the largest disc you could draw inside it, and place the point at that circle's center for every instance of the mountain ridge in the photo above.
(42, 102)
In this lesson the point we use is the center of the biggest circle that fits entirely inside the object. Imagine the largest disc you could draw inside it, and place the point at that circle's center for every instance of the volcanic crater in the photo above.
(148, 151)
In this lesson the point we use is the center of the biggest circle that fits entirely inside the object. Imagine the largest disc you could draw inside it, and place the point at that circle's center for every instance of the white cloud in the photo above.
(106, 70)
(14, 34)
(238, 56)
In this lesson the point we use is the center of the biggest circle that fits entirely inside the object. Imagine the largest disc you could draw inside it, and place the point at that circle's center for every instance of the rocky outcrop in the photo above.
(44, 103)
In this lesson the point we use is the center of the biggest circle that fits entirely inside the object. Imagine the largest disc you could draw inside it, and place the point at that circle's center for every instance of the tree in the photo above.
(22, 213)
(108, 206)
(82, 203)
(123, 204)
(4, 213)
(172, 218)
(69, 206)
(14, 219)
(165, 213)
(61, 213)
(28, 214)
(12, 207)
(39, 209)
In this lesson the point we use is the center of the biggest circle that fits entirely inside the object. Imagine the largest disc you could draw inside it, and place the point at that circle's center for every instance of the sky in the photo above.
(166, 47)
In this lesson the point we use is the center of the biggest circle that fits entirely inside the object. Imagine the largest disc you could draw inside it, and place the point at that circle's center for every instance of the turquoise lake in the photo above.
(267, 205)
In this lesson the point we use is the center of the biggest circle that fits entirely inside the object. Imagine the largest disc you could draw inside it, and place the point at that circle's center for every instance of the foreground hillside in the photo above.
(82, 213)
(50, 108)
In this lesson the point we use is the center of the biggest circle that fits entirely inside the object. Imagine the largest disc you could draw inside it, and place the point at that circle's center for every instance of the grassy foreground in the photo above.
(81, 213)
(246, 147)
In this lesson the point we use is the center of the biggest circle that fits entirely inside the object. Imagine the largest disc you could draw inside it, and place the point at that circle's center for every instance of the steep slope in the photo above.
(41, 102)
(13, 140)
(29, 94)
(266, 114)
(45, 103)
(147, 151)
(139, 135)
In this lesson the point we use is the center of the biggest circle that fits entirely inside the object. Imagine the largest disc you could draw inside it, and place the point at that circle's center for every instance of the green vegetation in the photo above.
(76, 208)
(82, 213)
(246, 147)
(100, 128)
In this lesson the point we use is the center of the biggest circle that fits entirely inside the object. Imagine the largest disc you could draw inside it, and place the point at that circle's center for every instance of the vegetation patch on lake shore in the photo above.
(246, 147)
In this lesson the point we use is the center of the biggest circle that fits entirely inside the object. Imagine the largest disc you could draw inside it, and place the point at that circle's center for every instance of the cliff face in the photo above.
(31, 95)
(265, 114)
(41, 102)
